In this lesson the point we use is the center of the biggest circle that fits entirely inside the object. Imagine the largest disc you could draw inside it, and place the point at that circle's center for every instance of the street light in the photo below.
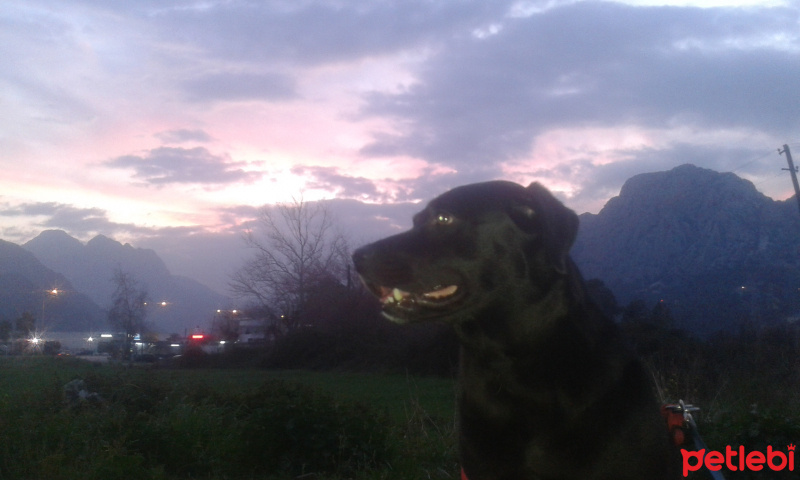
(54, 293)
(35, 342)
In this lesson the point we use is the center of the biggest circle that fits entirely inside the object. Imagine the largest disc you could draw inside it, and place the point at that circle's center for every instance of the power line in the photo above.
(768, 179)
(766, 154)
(752, 161)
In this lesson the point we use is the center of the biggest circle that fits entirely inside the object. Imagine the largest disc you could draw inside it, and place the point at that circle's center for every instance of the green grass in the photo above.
(173, 424)
(400, 395)
(260, 424)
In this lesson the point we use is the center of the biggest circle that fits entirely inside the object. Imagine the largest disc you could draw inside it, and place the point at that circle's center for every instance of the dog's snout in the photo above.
(378, 262)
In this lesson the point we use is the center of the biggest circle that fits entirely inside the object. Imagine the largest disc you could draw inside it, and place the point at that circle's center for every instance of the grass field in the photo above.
(174, 424)
(193, 423)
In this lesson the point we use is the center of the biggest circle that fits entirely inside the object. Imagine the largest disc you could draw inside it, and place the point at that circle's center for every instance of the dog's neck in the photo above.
(554, 345)
(516, 320)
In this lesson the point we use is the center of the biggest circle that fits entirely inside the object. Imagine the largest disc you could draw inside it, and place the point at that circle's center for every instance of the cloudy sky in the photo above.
(167, 124)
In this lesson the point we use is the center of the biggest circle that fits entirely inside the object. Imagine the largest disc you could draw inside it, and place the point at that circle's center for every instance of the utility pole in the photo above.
(792, 170)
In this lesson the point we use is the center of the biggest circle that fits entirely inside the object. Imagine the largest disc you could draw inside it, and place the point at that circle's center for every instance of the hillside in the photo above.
(25, 286)
(709, 245)
(90, 268)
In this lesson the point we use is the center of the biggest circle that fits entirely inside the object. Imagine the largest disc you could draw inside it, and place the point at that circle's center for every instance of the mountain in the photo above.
(25, 286)
(90, 268)
(708, 245)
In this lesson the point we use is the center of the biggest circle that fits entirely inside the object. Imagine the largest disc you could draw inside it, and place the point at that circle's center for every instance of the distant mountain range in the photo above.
(717, 252)
(84, 282)
(708, 245)
(26, 287)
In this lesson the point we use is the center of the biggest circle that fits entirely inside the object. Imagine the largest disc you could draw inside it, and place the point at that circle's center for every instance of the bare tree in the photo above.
(128, 312)
(26, 325)
(296, 249)
(5, 330)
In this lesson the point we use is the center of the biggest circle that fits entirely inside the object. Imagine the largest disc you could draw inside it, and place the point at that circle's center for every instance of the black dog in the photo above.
(547, 387)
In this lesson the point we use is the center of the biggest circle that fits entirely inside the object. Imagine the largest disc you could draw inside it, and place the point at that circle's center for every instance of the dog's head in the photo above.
(469, 248)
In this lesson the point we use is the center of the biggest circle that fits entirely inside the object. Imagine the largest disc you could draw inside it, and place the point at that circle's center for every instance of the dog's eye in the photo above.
(444, 219)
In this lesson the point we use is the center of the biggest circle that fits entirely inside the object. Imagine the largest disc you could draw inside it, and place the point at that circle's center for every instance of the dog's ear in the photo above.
(542, 214)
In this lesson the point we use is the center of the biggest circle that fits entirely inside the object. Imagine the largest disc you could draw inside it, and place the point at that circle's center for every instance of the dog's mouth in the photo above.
(402, 305)
(391, 296)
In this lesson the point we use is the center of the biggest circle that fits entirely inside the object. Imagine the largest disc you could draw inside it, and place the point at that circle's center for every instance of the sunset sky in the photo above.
(167, 124)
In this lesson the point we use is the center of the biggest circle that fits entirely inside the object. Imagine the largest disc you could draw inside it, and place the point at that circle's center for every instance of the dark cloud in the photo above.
(366, 222)
(314, 32)
(484, 100)
(237, 214)
(80, 222)
(30, 209)
(183, 135)
(241, 86)
(345, 186)
(81, 219)
(165, 165)
(57, 212)
(597, 183)
(486, 84)
(430, 184)
(411, 190)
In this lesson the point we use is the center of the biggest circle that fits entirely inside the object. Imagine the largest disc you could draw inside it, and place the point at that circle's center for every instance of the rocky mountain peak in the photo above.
(667, 230)
(55, 239)
(685, 188)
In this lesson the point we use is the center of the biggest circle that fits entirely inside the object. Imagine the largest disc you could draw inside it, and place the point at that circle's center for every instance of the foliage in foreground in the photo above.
(746, 382)
(150, 428)
(238, 424)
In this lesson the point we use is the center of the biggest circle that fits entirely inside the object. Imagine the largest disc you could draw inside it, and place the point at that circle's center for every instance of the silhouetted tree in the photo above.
(296, 249)
(128, 311)
(5, 330)
(635, 312)
(662, 316)
(26, 324)
(603, 297)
